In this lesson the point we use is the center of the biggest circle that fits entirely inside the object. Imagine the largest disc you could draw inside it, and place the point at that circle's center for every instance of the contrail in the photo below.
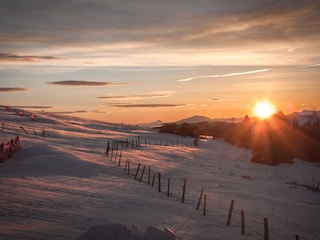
(225, 75)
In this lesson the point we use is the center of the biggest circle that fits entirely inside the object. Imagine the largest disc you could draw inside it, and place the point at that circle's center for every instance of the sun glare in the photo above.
(264, 109)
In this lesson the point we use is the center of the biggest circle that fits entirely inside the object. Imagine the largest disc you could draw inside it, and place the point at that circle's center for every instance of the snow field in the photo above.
(60, 185)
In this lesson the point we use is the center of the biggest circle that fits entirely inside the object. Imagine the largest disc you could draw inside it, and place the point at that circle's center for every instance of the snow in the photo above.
(63, 186)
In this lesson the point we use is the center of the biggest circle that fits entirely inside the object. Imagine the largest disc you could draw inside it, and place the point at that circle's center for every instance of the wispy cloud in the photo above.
(33, 107)
(5, 57)
(12, 89)
(133, 97)
(84, 83)
(312, 65)
(223, 99)
(146, 105)
(224, 75)
(70, 112)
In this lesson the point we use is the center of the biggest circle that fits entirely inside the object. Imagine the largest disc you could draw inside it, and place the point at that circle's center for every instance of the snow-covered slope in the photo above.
(62, 185)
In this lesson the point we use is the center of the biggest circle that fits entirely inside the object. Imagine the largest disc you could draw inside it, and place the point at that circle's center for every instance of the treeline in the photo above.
(273, 141)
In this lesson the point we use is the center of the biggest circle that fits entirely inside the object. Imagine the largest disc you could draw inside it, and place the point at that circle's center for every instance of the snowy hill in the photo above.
(194, 119)
(63, 186)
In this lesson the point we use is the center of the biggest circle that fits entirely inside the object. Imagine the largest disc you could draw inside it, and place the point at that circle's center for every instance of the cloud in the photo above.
(97, 111)
(12, 89)
(120, 33)
(4, 57)
(224, 75)
(223, 100)
(146, 105)
(133, 97)
(33, 107)
(70, 112)
(84, 83)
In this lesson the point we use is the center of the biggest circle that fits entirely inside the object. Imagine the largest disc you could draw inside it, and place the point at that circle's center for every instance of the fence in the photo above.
(23, 129)
(136, 142)
(157, 180)
(8, 149)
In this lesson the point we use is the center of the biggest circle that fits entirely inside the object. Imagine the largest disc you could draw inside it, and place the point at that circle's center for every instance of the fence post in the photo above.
(199, 201)
(125, 165)
(159, 182)
(149, 172)
(135, 177)
(119, 163)
(242, 223)
(108, 149)
(115, 158)
(144, 167)
(230, 212)
(184, 190)
(153, 177)
(129, 167)
(111, 155)
(266, 229)
(168, 194)
(205, 205)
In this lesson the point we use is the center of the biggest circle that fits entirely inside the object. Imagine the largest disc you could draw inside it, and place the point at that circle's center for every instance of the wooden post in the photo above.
(125, 165)
(108, 149)
(119, 163)
(144, 167)
(115, 158)
(297, 237)
(159, 182)
(266, 229)
(242, 223)
(111, 155)
(128, 167)
(199, 201)
(135, 177)
(168, 194)
(205, 205)
(149, 172)
(153, 177)
(230, 212)
(184, 190)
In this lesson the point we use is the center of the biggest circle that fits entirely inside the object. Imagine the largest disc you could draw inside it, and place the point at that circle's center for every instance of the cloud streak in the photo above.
(84, 83)
(12, 89)
(34, 107)
(224, 75)
(159, 105)
(133, 97)
(4, 57)
(223, 100)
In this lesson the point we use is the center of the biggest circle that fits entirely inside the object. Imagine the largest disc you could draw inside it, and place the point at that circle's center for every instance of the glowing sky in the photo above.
(136, 61)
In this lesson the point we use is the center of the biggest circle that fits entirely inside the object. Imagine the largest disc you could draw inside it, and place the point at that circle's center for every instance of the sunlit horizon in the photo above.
(131, 62)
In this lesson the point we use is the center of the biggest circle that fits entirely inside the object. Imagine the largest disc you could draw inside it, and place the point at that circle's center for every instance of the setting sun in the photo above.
(264, 109)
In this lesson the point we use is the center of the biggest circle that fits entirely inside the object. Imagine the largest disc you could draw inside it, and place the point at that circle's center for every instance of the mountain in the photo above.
(194, 119)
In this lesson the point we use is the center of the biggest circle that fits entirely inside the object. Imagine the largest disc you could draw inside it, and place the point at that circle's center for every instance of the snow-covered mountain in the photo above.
(194, 119)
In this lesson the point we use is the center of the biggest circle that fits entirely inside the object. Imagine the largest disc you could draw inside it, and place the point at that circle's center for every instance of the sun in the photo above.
(264, 109)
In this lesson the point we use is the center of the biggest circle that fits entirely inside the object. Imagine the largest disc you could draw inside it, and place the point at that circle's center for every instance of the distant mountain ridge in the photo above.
(194, 119)
(302, 116)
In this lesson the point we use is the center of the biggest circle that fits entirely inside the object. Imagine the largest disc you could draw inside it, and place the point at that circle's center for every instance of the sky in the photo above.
(137, 61)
